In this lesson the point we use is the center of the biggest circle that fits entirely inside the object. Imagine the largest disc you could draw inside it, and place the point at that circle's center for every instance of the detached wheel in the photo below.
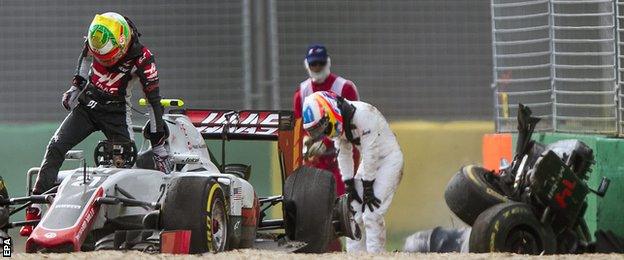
(511, 227)
(309, 196)
(470, 192)
(198, 204)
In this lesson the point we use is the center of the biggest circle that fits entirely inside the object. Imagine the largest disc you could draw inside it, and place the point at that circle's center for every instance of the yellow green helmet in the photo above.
(109, 38)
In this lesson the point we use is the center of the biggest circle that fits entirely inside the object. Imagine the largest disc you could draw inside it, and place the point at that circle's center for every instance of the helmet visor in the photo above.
(318, 130)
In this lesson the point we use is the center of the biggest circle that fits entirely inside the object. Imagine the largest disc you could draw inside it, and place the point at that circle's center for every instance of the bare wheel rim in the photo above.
(218, 225)
(522, 241)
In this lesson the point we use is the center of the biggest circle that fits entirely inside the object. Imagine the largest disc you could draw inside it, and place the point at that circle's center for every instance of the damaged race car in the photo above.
(535, 205)
(123, 203)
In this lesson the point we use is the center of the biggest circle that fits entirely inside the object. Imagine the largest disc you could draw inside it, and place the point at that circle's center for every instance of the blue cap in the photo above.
(316, 52)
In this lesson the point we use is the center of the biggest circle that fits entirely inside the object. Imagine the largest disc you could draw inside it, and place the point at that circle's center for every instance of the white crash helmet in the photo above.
(321, 115)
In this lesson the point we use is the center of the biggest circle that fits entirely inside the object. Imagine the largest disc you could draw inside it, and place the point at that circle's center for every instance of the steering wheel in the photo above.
(115, 154)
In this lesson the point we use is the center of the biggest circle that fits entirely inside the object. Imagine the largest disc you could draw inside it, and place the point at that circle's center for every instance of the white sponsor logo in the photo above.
(92, 104)
(67, 206)
(106, 78)
(50, 235)
(84, 224)
(269, 124)
(151, 72)
(142, 59)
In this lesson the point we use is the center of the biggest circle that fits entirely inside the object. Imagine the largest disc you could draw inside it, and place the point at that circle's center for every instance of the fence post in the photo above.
(274, 59)
(553, 74)
(618, 70)
(246, 65)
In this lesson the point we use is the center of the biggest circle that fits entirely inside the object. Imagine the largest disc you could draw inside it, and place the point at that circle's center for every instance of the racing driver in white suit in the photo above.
(371, 189)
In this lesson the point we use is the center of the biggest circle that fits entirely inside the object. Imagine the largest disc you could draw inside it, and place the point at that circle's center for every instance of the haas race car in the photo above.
(202, 206)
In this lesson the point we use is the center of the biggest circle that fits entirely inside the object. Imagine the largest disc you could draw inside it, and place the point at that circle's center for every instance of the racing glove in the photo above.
(70, 97)
(162, 160)
(313, 147)
(369, 198)
(79, 82)
(350, 187)
(164, 164)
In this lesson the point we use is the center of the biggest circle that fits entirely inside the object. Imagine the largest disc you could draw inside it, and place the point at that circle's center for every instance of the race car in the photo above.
(202, 206)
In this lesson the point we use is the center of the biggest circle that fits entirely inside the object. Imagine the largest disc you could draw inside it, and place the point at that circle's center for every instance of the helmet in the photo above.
(317, 54)
(321, 115)
(109, 37)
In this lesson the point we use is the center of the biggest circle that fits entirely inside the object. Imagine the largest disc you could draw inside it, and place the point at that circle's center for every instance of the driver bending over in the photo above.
(99, 103)
(359, 124)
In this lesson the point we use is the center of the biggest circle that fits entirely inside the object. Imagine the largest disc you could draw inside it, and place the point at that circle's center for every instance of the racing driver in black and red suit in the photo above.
(99, 101)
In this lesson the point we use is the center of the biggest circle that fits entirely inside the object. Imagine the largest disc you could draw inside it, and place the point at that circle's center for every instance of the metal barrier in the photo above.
(619, 21)
(584, 86)
(578, 93)
(427, 60)
(522, 60)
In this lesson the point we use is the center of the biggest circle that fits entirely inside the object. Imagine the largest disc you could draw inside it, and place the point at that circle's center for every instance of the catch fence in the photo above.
(561, 58)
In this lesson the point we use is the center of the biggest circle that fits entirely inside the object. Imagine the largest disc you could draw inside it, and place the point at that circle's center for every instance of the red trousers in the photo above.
(329, 163)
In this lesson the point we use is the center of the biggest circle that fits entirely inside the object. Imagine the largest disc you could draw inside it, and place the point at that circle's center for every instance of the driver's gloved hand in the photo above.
(350, 188)
(70, 97)
(79, 82)
(164, 164)
(369, 198)
(162, 160)
(314, 149)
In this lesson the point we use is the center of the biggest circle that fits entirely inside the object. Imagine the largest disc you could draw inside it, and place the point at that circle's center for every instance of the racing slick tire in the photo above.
(511, 227)
(3, 190)
(309, 196)
(469, 193)
(197, 204)
(4, 211)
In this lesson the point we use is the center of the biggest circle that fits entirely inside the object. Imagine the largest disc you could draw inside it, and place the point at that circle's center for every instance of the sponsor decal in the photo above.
(106, 78)
(124, 69)
(190, 160)
(85, 223)
(146, 54)
(561, 197)
(92, 104)
(67, 206)
(50, 235)
(150, 72)
(247, 122)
